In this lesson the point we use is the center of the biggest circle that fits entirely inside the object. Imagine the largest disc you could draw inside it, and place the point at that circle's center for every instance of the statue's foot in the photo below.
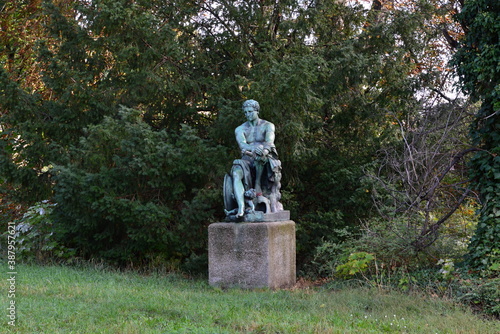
(240, 213)
(232, 212)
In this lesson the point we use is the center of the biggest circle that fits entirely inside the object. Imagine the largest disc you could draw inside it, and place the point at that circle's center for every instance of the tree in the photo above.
(93, 58)
(477, 61)
(329, 75)
(22, 26)
(422, 181)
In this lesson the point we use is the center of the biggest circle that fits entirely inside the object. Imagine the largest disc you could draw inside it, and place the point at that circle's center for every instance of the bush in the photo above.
(482, 294)
(329, 206)
(395, 254)
(331, 253)
(395, 243)
(389, 243)
(135, 194)
(35, 239)
(356, 263)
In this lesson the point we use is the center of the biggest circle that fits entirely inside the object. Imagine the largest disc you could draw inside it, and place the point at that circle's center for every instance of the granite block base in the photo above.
(252, 255)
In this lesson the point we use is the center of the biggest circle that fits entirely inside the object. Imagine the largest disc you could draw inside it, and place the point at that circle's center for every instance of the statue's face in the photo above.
(250, 113)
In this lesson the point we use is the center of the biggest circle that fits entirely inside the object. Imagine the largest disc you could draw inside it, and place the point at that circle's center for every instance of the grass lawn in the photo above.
(56, 299)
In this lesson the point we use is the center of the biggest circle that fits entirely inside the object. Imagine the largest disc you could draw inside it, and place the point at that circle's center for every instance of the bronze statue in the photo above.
(256, 176)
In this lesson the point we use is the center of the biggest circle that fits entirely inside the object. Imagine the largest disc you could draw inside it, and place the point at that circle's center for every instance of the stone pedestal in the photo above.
(252, 255)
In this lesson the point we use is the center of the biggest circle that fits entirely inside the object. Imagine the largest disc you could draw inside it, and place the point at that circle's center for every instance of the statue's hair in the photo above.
(251, 103)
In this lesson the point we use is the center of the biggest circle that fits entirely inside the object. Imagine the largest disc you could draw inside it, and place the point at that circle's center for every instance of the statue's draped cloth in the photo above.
(270, 175)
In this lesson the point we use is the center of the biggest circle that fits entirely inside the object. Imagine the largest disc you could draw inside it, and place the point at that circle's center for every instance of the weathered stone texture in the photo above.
(252, 255)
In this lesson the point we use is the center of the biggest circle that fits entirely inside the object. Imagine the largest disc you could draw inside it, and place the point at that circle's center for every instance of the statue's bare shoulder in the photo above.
(268, 125)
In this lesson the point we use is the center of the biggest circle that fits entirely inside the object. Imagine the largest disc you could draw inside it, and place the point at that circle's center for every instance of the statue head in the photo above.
(251, 103)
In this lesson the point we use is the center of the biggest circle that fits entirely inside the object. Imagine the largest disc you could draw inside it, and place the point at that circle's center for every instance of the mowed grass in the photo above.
(55, 299)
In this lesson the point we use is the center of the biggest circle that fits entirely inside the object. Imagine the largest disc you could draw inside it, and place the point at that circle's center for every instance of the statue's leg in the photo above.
(239, 190)
(259, 168)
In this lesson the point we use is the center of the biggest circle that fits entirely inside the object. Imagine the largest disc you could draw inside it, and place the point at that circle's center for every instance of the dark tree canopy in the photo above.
(125, 92)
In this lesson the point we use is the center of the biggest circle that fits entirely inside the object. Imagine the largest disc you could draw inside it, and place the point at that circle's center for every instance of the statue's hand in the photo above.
(249, 153)
(261, 151)
(261, 154)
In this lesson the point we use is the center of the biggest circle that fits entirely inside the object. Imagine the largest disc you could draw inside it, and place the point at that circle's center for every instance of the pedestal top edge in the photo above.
(281, 222)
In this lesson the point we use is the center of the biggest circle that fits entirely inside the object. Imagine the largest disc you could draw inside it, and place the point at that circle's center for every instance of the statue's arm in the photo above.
(270, 134)
(268, 144)
(241, 139)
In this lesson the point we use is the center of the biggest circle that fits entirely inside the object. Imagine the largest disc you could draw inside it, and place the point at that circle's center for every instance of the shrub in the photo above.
(134, 194)
(331, 253)
(482, 294)
(392, 243)
(35, 239)
(357, 263)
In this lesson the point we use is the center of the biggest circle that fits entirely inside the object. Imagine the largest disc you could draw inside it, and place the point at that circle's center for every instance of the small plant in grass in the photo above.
(406, 282)
(447, 269)
(387, 323)
(357, 263)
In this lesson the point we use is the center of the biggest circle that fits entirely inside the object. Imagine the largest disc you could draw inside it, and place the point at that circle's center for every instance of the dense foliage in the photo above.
(477, 61)
(128, 123)
(133, 193)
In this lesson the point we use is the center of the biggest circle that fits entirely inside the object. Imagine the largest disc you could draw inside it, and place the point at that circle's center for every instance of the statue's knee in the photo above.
(237, 173)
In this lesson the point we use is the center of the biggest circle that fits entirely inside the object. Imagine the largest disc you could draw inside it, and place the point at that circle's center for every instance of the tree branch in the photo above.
(440, 178)
(453, 43)
(431, 231)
